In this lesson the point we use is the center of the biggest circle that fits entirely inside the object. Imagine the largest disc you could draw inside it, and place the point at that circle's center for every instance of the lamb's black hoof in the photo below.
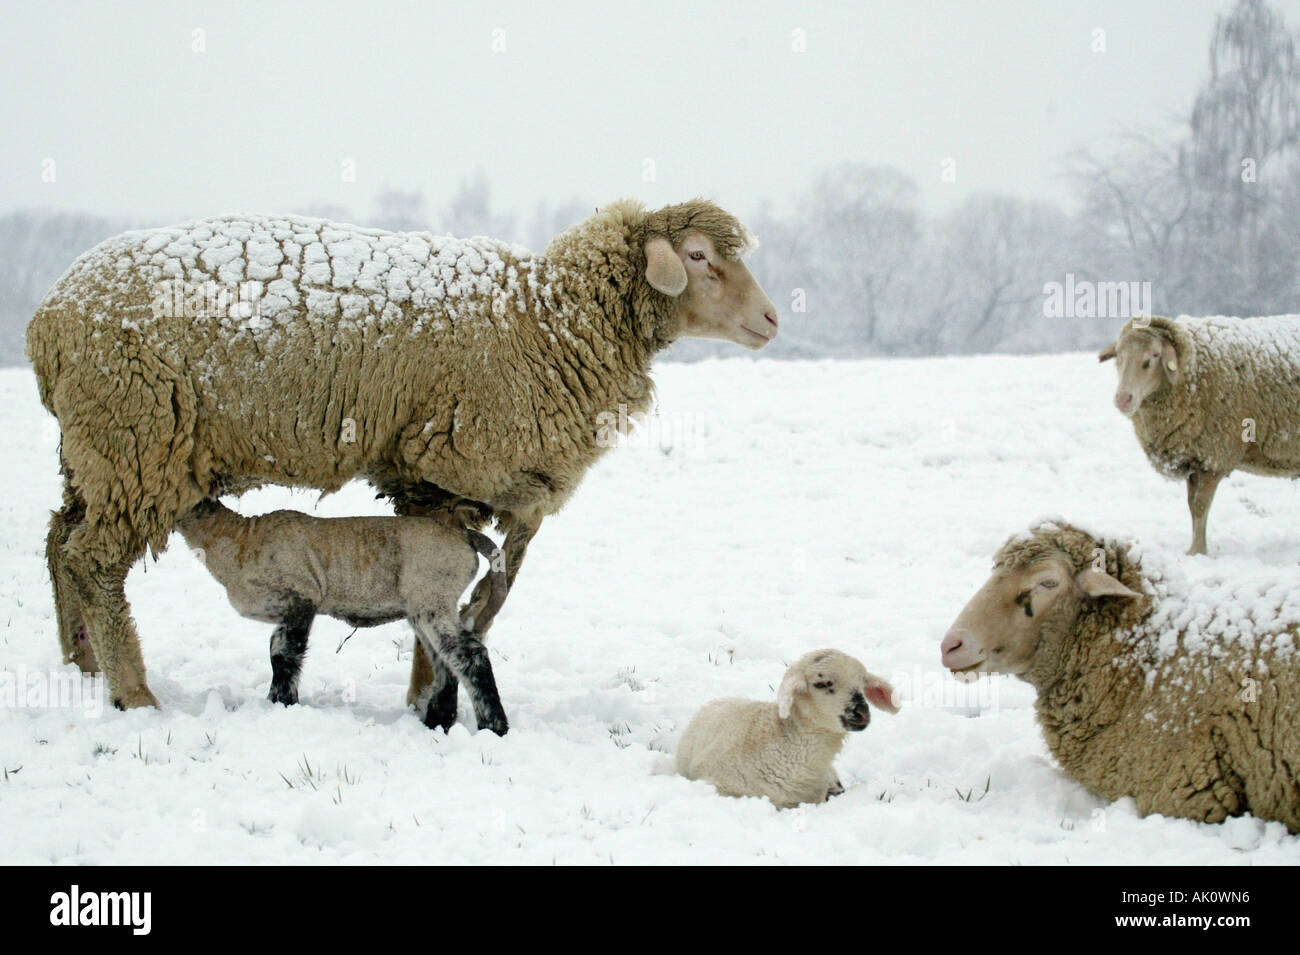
(498, 725)
(439, 719)
(283, 695)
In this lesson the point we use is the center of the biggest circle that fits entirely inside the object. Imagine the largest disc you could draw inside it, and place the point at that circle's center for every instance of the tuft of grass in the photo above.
(618, 733)
(966, 797)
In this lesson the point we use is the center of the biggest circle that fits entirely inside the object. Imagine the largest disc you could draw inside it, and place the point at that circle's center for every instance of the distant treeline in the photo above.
(1203, 220)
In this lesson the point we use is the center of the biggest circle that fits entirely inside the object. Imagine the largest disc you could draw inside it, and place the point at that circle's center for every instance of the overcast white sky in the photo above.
(140, 125)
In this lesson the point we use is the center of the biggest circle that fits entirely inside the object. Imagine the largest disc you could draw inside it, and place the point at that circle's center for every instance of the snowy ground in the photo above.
(779, 507)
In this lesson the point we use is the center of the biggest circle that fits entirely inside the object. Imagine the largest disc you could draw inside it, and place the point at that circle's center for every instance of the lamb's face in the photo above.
(722, 298)
(1020, 615)
(1146, 363)
(835, 690)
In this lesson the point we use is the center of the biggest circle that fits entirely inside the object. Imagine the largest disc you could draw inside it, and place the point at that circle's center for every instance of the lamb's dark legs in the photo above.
(440, 710)
(465, 656)
(288, 645)
(426, 680)
(1201, 486)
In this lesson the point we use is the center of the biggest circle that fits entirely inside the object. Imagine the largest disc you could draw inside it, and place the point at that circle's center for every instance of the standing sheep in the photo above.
(286, 567)
(784, 750)
(432, 367)
(1209, 396)
(1184, 698)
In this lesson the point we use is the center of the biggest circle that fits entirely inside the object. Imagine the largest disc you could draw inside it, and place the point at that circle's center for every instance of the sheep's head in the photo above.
(693, 256)
(1147, 361)
(1023, 618)
(833, 689)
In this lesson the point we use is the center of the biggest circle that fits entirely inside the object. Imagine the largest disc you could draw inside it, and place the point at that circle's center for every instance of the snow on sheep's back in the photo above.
(771, 508)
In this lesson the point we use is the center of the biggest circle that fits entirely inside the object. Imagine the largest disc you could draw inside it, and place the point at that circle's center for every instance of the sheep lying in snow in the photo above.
(1184, 698)
(1209, 396)
(784, 750)
(435, 368)
(285, 567)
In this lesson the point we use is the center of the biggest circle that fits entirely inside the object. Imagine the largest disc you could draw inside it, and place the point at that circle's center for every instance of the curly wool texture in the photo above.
(1185, 699)
(401, 357)
(1231, 372)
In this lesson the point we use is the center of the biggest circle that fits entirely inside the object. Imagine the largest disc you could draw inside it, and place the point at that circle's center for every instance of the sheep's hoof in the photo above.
(140, 696)
(499, 726)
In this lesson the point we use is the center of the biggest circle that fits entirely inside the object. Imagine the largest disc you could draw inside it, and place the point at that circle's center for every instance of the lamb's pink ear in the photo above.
(793, 683)
(1095, 583)
(1107, 353)
(880, 694)
(663, 269)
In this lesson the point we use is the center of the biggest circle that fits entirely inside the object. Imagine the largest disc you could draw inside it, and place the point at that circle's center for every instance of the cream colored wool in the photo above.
(1184, 699)
(402, 358)
(1230, 371)
(783, 750)
(1229, 401)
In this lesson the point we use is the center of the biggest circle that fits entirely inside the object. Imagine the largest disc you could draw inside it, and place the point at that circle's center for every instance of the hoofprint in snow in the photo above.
(774, 508)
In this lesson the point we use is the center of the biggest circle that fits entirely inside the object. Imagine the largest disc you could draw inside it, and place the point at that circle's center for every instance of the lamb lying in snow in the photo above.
(784, 750)
(285, 567)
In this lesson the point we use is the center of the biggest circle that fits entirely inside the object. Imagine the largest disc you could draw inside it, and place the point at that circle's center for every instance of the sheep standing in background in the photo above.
(1209, 396)
(469, 370)
(286, 567)
(784, 750)
(1183, 698)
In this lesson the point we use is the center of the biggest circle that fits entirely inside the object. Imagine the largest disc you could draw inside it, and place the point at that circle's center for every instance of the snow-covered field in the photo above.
(775, 508)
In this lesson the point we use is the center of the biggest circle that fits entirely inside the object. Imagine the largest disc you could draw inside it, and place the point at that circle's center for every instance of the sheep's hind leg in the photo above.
(467, 658)
(1201, 486)
(73, 640)
(101, 593)
(288, 646)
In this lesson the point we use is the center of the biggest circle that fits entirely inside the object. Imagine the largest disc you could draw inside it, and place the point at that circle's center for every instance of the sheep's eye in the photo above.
(1048, 584)
(827, 685)
(698, 256)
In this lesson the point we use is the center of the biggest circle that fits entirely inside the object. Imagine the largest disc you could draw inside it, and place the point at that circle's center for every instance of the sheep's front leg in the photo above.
(467, 658)
(288, 646)
(1201, 486)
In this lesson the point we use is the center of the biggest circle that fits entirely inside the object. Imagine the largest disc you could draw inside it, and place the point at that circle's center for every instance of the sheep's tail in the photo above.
(497, 571)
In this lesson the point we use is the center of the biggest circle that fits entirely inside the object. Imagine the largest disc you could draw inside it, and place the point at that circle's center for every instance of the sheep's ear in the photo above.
(663, 269)
(1107, 353)
(1170, 356)
(1095, 583)
(793, 683)
(880, 694)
